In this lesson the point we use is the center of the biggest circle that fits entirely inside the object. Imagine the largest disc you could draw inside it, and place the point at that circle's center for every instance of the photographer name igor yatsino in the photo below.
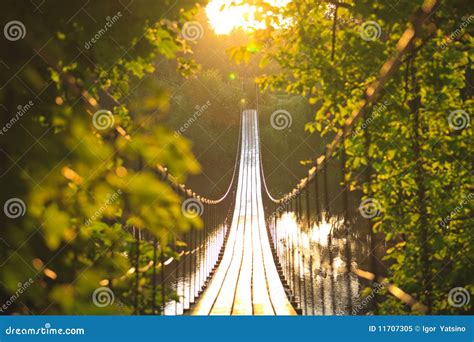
(452, 328)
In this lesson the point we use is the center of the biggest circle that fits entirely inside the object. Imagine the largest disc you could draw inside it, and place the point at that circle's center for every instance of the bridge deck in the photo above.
(246, 281)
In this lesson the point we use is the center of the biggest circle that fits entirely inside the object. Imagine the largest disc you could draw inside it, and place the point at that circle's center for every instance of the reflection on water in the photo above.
(187, 276)
(314, 259)
(317, 260)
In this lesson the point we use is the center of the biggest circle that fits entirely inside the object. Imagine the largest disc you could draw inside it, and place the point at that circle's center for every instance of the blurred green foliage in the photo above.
(83, 184)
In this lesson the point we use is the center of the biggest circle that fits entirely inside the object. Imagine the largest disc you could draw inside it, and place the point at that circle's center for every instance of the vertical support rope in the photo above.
(163, 285)
(154, 285)
(316, 195)
(311, 279)
(330, 256)
(334, 24)
(325, 186)
(305, 300)
(137, 270)
(345, 205)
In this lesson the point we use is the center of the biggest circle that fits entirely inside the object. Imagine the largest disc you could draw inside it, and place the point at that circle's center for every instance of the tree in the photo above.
(76, 161)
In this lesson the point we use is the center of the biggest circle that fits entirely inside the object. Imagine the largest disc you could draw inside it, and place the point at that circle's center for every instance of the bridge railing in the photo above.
(310, 272)
(170, 277)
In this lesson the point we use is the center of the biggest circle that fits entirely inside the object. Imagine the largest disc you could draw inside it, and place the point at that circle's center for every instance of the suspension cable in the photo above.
(404, 45)
(182, 189)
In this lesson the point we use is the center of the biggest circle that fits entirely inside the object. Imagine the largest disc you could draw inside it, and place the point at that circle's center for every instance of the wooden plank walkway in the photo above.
(246, 281)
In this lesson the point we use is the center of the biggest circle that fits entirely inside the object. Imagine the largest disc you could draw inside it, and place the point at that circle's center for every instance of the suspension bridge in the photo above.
(308, 252)
(247, 280)
(256, 255)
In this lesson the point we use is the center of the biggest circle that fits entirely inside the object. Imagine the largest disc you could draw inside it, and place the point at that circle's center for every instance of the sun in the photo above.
(227, 15)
